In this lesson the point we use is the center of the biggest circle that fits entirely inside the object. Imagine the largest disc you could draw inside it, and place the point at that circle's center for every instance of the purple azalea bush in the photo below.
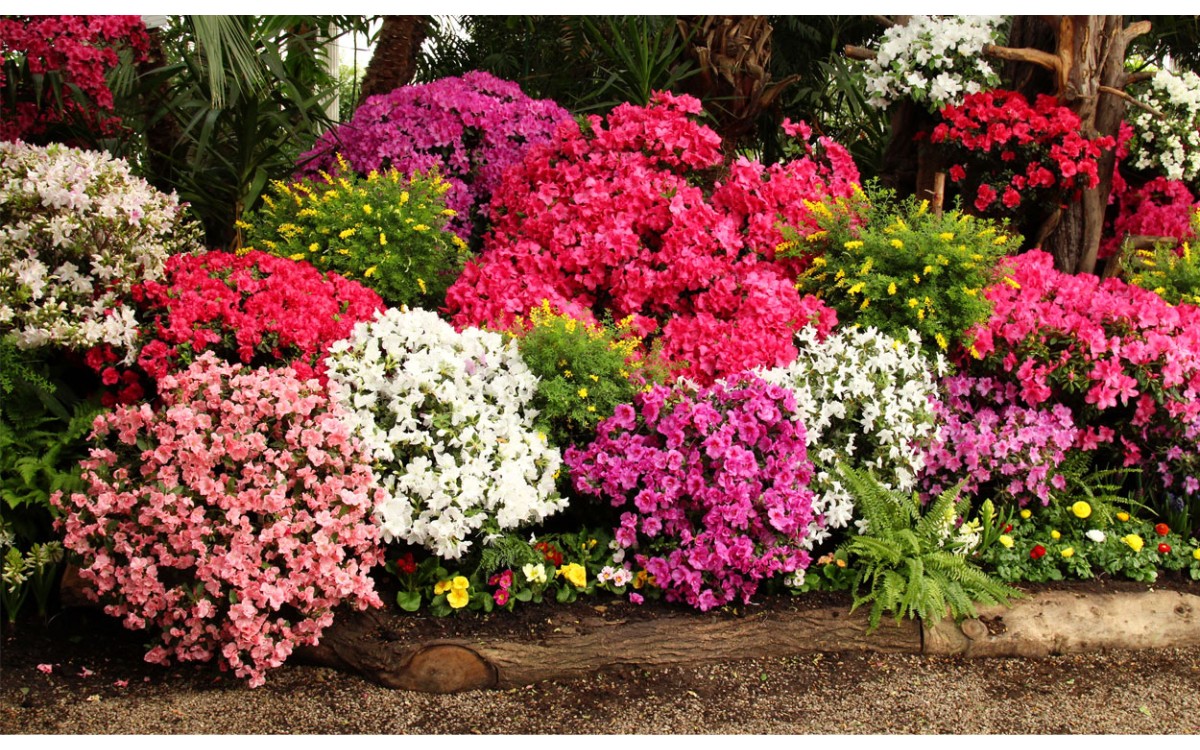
(713, 483)
(470, 128)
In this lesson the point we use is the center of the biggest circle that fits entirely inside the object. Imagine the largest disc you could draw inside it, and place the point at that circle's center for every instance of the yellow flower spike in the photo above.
(865, 303)
(1081, 509)
(856, 288)
(916, 279)
(866, 267)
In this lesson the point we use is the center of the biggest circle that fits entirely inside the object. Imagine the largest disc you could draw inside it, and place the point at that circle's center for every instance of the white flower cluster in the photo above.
(77, 230)
(1169, 144)
(446, 418)
(933, 60)
(865, 399)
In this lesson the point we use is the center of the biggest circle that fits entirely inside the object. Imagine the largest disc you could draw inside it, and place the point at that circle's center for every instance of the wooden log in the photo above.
(1063, 622)
(359, 642)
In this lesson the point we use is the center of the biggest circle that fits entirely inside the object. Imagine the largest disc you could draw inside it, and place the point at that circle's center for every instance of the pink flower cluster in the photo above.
(1160, 208)
(254, 308)
(470, 128)
(718, 484)
(80, 49)
(1124, 361)
(988, 436)
(622, 217)
(233, 519)
(1039, 148)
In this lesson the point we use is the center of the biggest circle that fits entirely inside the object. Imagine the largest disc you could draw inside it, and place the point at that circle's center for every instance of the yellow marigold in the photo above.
(314, 247)
(927, 270)
(921, 314)
(296, 256)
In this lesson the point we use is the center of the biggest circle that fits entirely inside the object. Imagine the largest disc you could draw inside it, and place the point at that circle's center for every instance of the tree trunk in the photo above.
(394, 62)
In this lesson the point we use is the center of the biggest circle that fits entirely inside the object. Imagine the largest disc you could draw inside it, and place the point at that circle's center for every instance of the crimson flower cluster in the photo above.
(1124, 361)
(714, 484)
(470, 128)
(622, 217)
(255, 309)
(234, 519)
(78, 49)
(1012, 152)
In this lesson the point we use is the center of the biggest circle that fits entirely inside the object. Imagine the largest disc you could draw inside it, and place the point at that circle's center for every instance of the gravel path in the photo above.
(1146, 692)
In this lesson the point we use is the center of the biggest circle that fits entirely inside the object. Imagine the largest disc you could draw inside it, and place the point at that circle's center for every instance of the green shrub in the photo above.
(1173, 276)
(901, 266)
(385, 231)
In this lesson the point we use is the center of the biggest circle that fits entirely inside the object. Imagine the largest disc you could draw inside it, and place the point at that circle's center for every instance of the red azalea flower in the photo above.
(1164, 548)
(1038, 552)
(1162, 529)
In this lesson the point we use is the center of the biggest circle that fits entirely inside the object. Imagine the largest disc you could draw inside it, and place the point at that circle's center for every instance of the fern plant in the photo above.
(913, 562)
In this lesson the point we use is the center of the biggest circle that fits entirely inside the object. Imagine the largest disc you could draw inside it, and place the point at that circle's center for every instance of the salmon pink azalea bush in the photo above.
(1160, 208)
(712, 484)
(470, 128)
(232, 520)
(255, 309)
(1125, 362)
(622, 217)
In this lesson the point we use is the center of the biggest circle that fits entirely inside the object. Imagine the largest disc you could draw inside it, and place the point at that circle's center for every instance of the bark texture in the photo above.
(394, 62)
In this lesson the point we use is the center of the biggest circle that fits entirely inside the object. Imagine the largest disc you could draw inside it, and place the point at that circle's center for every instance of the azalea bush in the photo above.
(933, 60)
(77, 231)
(386, 231)
(896, 267)
(1160, 208)
(447, 419)
(54, 73)
(996, 446)
(583, 371)
(231, 521)
(1170, 144)
(253, 308)
(1008, 153)
(712, 485)
(866, 400)
(620, 217)
(1123, 360)
(470, 128)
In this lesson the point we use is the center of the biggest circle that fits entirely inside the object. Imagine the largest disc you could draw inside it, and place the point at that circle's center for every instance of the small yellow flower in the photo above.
(1026, 513)
(927, 270)
(853, 245)
(856, 288)
(865, 304)
(420, 228)
(1196, 553)
(946, 236)
(314, 247)
(892, 288)
(403, 197)
(367, 209)
(296, 256)
(1081, 509)
(458, 598)
(1134, 541)
(460, 583)
(941, 340)
(1006, 541)
(1068, 552)
(1122, 516)
(583, 392)
(898, 243)
(1055, 535)
(421, 284)
(370, 271)
(1012, 282)
(441, 587)
(574, 573)
(346, 233)
(913, 302)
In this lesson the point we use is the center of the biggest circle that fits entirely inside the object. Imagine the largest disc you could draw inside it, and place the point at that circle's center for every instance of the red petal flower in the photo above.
(1162, 529)
(1038, 552)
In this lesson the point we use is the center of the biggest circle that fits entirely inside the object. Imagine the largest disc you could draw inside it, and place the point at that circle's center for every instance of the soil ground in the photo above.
(100, 684)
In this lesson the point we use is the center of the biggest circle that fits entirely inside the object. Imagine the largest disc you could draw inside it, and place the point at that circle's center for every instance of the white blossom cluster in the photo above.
(865, 399)
(77, 230)
(933, 60)
(446, 419)
(1169, 144)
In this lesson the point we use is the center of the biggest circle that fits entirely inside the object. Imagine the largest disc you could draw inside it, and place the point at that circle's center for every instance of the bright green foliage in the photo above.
(584, 371)
(909, 562)
(385, 231)
(1174, 277)
(899, 266)
(34, 571)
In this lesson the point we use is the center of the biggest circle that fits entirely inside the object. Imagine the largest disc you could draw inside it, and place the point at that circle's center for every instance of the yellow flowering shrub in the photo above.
(897, 265)
(384, 230)
(1171, 273)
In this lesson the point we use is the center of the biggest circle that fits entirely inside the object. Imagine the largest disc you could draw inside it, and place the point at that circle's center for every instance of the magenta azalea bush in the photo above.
(254, 308)
(233, 519)
(623, 218)
(712, 483)
(1124, 361)
(989, 439)
(470, 128)
(1160, 208)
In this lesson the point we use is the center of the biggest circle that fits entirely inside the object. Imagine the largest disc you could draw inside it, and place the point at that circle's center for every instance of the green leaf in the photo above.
(409, 601)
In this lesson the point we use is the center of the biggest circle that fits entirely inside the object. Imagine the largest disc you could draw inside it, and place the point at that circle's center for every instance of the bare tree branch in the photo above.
(1132, 100)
